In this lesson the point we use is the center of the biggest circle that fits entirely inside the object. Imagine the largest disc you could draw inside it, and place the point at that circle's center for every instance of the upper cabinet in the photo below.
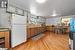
(11, 9)
(15, 10)
(31, 19)
(19, 11)
(36, 20)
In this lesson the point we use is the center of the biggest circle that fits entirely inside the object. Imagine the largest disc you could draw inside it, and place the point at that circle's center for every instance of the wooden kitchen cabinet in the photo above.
(2, 39)
(6, 36)
(28, 33)
(2, 34)
(34, 31)
(39, 29)
(7, 39)
(49, 28)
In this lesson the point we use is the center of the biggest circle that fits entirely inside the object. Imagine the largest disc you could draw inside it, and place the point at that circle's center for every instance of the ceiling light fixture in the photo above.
(41, 1)
(33, 10)
(54, 13)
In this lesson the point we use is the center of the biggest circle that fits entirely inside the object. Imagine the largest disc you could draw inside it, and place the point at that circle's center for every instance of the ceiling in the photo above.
(61, 7)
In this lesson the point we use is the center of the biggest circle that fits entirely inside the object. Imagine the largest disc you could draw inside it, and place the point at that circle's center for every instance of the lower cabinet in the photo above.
(28, 33)
(2, 40)
(5, 35)
(34, 31)
(1, 34)
(7, 39)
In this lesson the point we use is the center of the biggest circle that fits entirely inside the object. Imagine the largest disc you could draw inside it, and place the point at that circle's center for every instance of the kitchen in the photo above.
(36, 26)
(23, 29)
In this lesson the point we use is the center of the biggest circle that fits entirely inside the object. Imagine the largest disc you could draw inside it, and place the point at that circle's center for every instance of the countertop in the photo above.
(4, 29)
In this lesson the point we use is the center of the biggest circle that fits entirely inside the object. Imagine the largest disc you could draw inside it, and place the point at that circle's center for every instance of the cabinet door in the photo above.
(18, 35)
(39, 30)
(7, 39)
(16, 19)
(28, 33)
(1, 34)
(35, 29)
(32, 32)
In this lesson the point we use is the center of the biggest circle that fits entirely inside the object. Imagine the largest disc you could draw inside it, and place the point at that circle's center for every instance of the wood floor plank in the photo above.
(50, 41)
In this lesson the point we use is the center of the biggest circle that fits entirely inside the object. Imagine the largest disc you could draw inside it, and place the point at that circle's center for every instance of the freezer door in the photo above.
(18, 35)
(18, 19)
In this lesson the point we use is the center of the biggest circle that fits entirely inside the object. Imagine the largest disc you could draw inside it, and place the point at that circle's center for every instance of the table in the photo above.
(61, 30)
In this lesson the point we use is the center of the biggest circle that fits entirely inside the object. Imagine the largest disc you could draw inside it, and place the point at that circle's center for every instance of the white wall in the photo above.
(4, 18)
(53, 21)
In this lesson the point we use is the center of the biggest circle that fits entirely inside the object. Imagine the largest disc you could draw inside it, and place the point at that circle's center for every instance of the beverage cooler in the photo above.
(72, 34)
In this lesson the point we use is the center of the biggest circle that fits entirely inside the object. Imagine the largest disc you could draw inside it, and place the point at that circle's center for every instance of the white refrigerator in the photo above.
(18, 30)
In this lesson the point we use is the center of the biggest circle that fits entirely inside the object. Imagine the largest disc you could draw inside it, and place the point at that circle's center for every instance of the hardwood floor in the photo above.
(50, 41)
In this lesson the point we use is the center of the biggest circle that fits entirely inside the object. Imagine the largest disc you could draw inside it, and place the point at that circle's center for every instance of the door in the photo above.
(18, 35)
(18, 19)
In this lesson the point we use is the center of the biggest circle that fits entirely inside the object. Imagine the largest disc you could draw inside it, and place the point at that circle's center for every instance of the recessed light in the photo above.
(41, 1)
(33, 10)
(54, 13)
